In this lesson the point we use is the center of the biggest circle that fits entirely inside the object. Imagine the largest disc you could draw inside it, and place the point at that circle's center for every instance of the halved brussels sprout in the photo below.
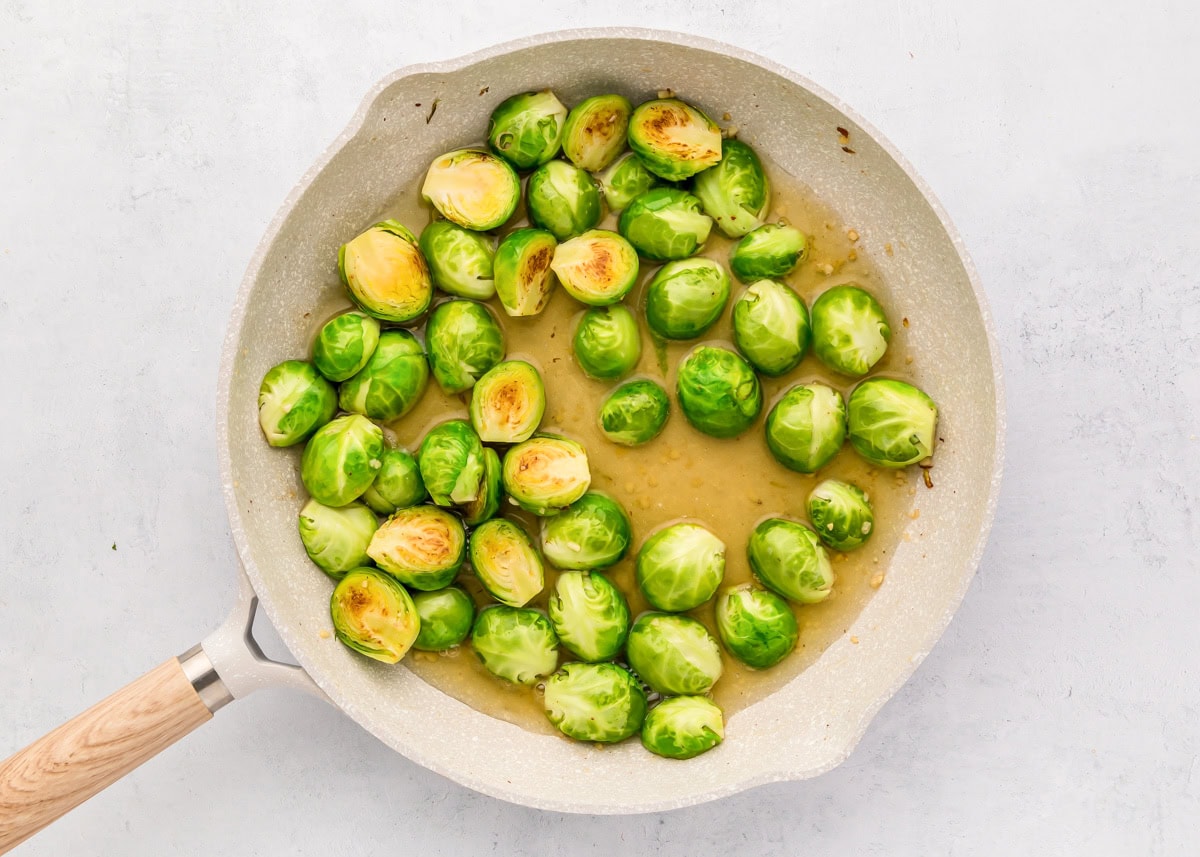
(686, 297)
(674, 139)
(769, 253)
(491, 492)
(735, 193)
(683, 727)
(464, 341)
(562, 199)
(446, 618)
(546, 474)
(422, 546)
(595, 131)
(374, 615)
(590, 615)
(391, 383)
(718, 391)
(806, 428)
(474, 189)
(506, 562)
(508, 402)
(607, 342)
(385, 273)
(673, 654)
(680, 567)
(524, 280)
(665, 223)
(789, 559)
(597, 268)
(459, 260)
(527, 129)
(341, 460)
(841, 514)
(770, 327)
(337, 539)
(397, 485)
(635, 413)
(451, 462)
(592, 533)
(756, 626)
(344, 344)
(849, 330)
(626, 178)
(516, 644)
(293, 402)
(595, 702)
(892, 423)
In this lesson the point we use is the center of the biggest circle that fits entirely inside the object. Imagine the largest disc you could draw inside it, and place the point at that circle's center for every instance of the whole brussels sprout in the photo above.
(508, 402)
(524, 280)
(422, 546)
(789, 559)
(735, 193)
(516, 644)
(590, 615)
(757, 627)
(770, 327)
(506, 562)
(385, 273)
(595, 131)
(562, 199)
(527, 129)
(344, 344)
(680, 567)
(337, 539)
(293, 402)
(683, 727)
(446, 618)
(397, 485)
(391, 383)
(591, 533)
(892, 423)
(374, 615)
(546, 474)
(673, 654)
(850, 332)
(601, 703)
(807, 427)
(665, 223)
(769, 253)
(472, 188)
(597, 268)
(686, 297)
(718, 391)
(674, 140)
(464, 341)
(635, 413)
(451, 462)
(341, 460)
(841, 514)
(460, 260)
(626, 178)
(491, 492)
(607, 342)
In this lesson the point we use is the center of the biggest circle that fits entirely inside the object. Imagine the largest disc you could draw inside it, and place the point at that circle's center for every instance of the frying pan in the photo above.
(801, 730)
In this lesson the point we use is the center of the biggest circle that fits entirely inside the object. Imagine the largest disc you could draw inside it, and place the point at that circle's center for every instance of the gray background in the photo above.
(143, 149)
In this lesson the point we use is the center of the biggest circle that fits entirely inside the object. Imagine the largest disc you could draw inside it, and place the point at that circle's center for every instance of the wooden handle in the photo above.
(55, 774)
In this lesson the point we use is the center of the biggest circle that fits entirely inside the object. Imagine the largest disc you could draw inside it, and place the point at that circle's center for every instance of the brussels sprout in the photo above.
(673, 139)
(593, 532)
(626, 178)
(590, 615)
(757, 627)
(491, 492)
(595, 131)
(391, 383)
(385, 273)
(680, 567)
(341, 460)
(345, 344)
(562, 199)
(527, 129)
(718, 391)
(892, 423)
(607, 342)
(635, 413)
(841, 514)
(683, 727)
(665, 223)
(337, 539)
(460, 260)
(675, 655)
(451, 462)
(397, 485)
(464, 341)
(735, 193)
(374, 615)
(770, 327)
(769, 253)
(595, 702)
(508, 402)
(686, 297)
(446, 618)
(293, 402)
(524, 280)
(472, 188)
(789, 559)
(807, 427)
(422, 546)
(516, 644)
(849, 330)
(597, 268)
(506, 562)
(546, 474)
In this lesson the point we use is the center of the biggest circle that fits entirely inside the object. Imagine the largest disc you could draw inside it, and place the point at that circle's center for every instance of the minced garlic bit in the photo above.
(852, 255)
(877, 581)
(914, 514)
(324, 634)
(825, 268)
(852, 234)
(666, 93)
(887, 248)
(854, 640)
(730, 132)
(725, 117)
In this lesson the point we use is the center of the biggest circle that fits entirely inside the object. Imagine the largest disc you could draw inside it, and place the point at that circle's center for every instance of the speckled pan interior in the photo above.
(813, 723)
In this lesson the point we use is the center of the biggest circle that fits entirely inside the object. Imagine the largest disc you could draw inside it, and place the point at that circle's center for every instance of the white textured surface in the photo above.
(141, 154)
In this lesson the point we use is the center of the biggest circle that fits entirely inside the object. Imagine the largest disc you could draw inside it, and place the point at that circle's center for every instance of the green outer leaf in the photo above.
(344, 345)
(398, 484)
(293, 402)
(635, 413)
(451, 462)
(841, 514)
(756, 626)
(336, 539)
(673, 654)
(770, 252)
(391, 383)
(464, 341)
(590, 615)
(460, 261)
(592, 533)
(665, 223)
(563, 200)
(526, 129)
(607, 343)
(626, 178)
(680, 567)
(892, 424)
(735, 193)
(341, 460)
(807, 427)
(595, 702)
(850, 331)
(683, 727)
(686, 297)
(789, 559)
(770, 327)
(516, 644)
(491, 492)
(718, 391)
(446, 618)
